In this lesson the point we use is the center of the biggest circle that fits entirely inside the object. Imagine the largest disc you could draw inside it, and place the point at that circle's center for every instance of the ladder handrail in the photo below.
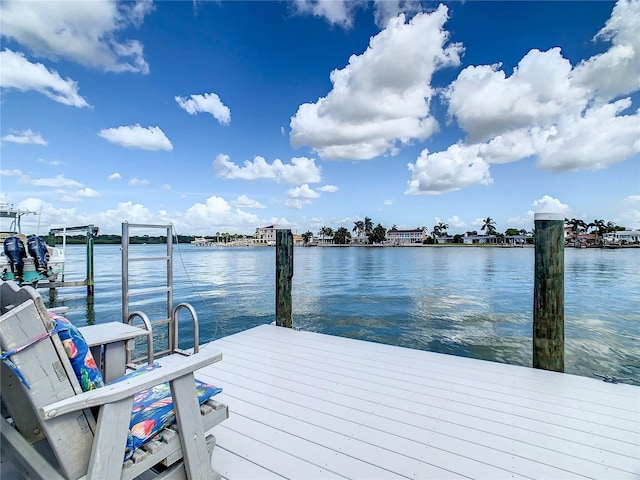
(149, 328)
(196, 331)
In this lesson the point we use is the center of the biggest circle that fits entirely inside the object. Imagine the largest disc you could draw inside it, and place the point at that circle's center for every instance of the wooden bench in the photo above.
(51, 429)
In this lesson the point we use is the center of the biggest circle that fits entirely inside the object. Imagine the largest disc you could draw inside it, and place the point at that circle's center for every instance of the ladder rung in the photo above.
(160, 321)
(145, 291)
(142, 259)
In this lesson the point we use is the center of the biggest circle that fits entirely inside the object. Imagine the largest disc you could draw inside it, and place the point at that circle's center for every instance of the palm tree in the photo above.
(358, 228)
(576, 225)
(435, 232)
(378, 234)
(306, 236)
(326, 232)
(368, 226)
(440, 230)
(341, 236)
(489, 225)
(600, 227)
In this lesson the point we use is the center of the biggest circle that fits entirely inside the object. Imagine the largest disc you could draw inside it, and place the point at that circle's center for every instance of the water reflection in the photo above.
(464, 301)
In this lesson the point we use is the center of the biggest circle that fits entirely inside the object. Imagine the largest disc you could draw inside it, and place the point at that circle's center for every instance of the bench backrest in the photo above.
(48, 373)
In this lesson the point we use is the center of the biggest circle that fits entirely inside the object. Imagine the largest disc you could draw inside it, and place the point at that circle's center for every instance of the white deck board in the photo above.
(305, 405)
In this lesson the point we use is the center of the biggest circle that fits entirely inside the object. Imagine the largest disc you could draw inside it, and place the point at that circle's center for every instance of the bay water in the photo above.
(468, 301)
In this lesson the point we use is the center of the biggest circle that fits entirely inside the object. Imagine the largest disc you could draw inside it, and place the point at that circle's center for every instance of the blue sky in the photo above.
(226, 116)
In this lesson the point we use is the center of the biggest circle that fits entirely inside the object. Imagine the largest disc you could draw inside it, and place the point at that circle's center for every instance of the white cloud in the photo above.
(115, 176)
(342, 12)
(328, 188)
(245, 202)
(549, 204)
(84, 32)
(389, 202)
(617, 71)
(381, 99)
(545, 204)
(455, 222)
(25, 136)
(458, 167)
(300, 196)
(207, 103)
(59, 181)
(562, 116)
(166, 186)
(218, 214)
(87, 193)
(296, 203)
(138, 181)
(385, 10)
(135, 136)
(67, 198)
(594, 140)
(301, 170)
(486, 102)
(55, 163)
(125, 211)
(12, 173)
(303, 191)
(630, 215)
(21, 74)
(336, 12)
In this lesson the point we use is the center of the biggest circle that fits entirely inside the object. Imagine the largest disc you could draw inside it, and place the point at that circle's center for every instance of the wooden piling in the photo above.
(90, 274)
(548, 293)
(284, 276)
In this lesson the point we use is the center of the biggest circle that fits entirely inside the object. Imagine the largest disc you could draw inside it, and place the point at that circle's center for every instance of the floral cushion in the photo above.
(79, 354)
(153, 409)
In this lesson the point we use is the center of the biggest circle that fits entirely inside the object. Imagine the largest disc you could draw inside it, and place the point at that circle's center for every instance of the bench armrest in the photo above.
(128, 388)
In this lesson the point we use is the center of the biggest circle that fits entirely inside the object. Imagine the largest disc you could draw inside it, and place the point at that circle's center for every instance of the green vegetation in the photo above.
(377, 235)
(365, 232)
(342, 236)
(598, 228)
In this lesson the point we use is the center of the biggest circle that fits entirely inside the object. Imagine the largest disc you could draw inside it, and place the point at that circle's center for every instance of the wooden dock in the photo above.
(306, 405)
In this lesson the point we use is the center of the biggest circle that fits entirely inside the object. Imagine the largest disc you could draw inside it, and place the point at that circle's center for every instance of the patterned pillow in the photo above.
(153, 409)
(79, 354)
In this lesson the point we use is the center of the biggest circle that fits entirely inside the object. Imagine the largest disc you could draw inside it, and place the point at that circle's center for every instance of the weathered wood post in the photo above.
(284, 275)
(548, 293)
(90, 276)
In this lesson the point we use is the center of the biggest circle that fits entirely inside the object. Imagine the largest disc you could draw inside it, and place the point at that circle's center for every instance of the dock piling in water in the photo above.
(548, 293)
(284, 276)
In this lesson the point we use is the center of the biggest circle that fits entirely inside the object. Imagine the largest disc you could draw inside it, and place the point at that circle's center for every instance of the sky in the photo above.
(225, 116)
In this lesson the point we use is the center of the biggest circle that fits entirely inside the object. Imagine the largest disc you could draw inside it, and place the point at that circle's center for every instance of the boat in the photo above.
(202, 242)
(27, 259)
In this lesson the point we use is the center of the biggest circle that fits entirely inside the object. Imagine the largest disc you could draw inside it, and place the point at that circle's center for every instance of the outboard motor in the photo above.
(15, 252)
(38, 250)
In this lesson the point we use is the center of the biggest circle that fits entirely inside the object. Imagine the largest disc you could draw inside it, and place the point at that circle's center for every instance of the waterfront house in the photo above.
(266, 235)
(480, 239)
(323, 240)
(297, 239)
(405, 237)
(622, 237)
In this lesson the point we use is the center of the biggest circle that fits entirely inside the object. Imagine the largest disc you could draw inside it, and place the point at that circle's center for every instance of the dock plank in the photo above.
(306, 405)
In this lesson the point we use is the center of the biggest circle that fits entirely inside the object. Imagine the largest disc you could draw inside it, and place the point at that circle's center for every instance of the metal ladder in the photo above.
(166, 327)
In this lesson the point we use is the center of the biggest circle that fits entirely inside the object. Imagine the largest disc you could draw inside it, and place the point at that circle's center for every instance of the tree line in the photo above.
(365, 231)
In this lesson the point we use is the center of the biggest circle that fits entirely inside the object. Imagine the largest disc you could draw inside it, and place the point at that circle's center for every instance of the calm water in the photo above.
(474, 302)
